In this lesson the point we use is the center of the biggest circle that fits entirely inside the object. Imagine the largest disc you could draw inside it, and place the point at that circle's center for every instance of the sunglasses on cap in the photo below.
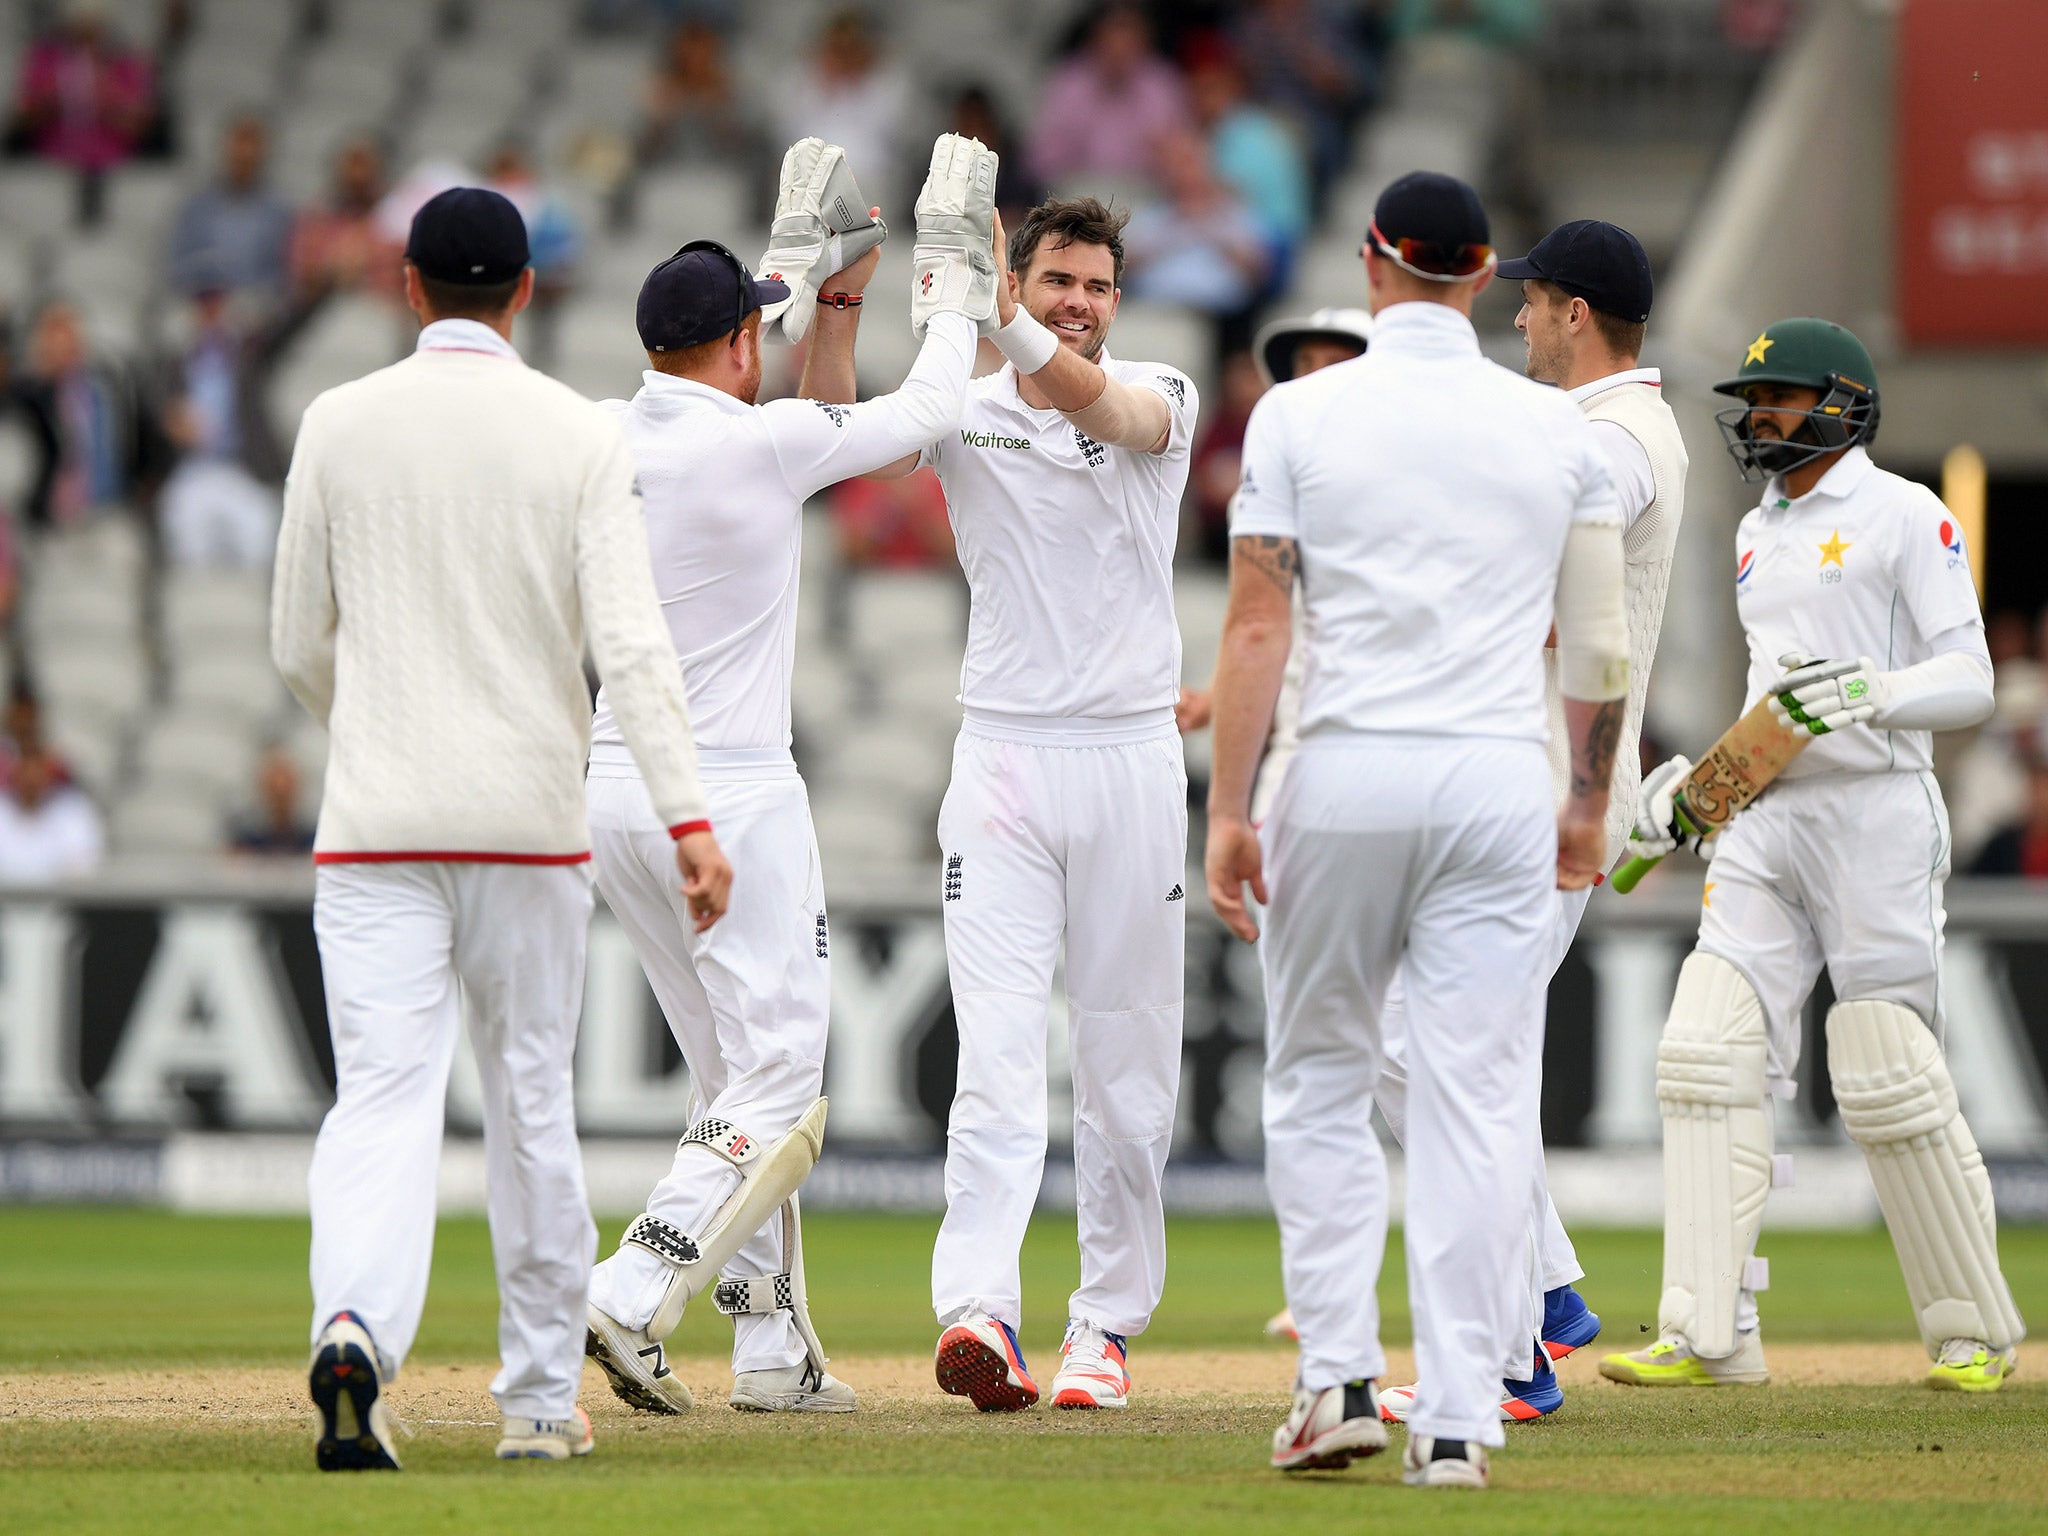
(741, 289)
(1430, 261)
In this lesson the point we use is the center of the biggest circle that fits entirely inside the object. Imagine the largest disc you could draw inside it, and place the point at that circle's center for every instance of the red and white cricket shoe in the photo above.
(1092, 1371)
(978, 1358)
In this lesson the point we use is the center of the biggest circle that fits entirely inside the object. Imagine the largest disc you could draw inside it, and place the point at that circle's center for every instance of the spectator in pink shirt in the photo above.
(82, 99)
(1105, 108)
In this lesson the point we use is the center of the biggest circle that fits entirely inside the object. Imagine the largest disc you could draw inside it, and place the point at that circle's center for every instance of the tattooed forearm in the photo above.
(1275, 558)
(1593, 760)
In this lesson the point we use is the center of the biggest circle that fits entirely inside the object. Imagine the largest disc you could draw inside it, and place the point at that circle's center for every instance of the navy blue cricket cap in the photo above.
(699, 294)
(1434, 226)
(1601, 263)
(471, 236)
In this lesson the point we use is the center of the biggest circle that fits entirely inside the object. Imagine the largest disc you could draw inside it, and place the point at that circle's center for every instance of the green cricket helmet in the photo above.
(1815, 354)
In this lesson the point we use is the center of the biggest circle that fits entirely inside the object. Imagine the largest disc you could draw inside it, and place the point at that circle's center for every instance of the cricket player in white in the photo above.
(1586, 294)
(1066, 818)
(1840, 863)
(1443, 514)
(724, 482)
(456, 527)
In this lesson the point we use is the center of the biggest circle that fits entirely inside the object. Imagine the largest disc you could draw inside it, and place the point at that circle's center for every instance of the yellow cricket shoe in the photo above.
(1670, 1362)
(1969, 1365)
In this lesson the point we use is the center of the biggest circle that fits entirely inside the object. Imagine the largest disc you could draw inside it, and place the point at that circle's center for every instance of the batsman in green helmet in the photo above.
(1840, 863)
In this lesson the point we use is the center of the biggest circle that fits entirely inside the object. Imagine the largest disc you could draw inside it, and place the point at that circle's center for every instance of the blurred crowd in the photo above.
(1222, 126)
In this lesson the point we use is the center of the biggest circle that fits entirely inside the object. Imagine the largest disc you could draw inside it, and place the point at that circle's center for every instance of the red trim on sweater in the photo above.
(439, 856)
(683, 829)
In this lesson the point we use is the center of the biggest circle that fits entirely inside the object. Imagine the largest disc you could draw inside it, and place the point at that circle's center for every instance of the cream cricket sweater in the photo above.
(455, 526)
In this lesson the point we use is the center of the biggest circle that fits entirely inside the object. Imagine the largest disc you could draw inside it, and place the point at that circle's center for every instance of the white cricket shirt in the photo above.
(1430, 492)
(1068, 548)
(1867, 563)
(722, 486)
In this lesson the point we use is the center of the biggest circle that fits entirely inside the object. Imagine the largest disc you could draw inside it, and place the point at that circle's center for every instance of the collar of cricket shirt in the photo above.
(661, 393)
(465, 336)
(1585, 392)
(1419, 328)
(1839, 483)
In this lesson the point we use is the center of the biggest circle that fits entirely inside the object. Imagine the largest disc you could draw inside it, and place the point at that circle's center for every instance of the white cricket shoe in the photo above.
(636, 1364)
(545, 1439)
(1432, 1463)
(1092, 1371)
(347, 1386)
(1671, 1362)
(1329, 1429)
(799, 1388)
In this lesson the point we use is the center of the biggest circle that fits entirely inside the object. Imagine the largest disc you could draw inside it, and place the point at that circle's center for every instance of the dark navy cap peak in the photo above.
(468, 235)
(700, 293)
(1599, 262)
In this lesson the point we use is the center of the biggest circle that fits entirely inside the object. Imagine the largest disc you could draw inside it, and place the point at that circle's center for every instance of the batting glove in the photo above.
(822, 226)
(1657, 831)
(953, 264)
(1817, 696)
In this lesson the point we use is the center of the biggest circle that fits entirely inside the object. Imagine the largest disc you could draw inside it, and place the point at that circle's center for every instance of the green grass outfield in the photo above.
(91, 1292)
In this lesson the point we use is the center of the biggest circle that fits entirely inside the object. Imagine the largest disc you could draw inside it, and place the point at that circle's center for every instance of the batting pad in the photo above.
(1898, 1103)
(768, 1178)
(1717, 1149)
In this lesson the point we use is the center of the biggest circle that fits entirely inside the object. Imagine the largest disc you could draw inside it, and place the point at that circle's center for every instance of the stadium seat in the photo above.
(166, 819)
(696, 202)
(143, 201)
(58, 611)
(239, 681)
(601, 85)
(89, 743)
(894, 612)
(231, 604)
(41, 200)
(390, 27)
(105, 677)
(207, 752)
(107, 272)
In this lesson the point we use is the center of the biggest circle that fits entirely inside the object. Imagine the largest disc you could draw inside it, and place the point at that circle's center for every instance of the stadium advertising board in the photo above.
(126, 1016)
(1971, 149)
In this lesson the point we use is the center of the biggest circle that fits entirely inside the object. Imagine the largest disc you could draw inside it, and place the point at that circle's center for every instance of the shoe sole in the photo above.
(1081, 1397)
(794, 1402)
(1950, 1384)
(1445, 1474)
(626, 1387)
(967, 1367)
(524, 1450)
(1558, 1349)
(344, 1387)
(1334, 1449)
(1630, 1379)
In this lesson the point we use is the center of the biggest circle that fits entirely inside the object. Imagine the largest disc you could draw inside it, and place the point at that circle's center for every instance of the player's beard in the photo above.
(1091, 344)
(1774, 454)
(1547, 362)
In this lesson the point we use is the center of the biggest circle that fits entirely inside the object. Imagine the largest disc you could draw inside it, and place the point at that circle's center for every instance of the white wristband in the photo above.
(1025, 342)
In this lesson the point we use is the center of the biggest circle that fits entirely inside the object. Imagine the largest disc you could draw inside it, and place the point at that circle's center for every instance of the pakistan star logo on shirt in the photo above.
(1831, 552)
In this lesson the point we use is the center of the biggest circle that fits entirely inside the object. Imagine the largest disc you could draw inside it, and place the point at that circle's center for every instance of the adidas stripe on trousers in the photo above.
(1063, 832)
(1434, 857)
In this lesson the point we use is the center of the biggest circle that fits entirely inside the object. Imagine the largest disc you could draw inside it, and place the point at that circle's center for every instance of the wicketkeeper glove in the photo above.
(1817, 696)
(953, 263)
(822, 226)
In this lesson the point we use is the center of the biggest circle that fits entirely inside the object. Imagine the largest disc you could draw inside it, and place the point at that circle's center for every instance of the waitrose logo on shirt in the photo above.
(992, 440)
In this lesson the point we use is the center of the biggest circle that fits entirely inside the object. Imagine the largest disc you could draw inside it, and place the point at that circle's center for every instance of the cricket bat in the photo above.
(1737, 768)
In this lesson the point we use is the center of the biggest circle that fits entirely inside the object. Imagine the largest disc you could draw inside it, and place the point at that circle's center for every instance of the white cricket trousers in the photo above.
(407, 950)
(1551, 1260)
(747, 1002)
(1074, 830)
(1437, 854)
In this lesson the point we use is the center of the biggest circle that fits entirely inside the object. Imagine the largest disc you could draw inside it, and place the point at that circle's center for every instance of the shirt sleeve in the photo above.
(819, 444)
(1932, 567)
(628, 639)
(1628, 466)
(1183, 407)
(1594, 500)
(303, 615)
(1264, 504)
